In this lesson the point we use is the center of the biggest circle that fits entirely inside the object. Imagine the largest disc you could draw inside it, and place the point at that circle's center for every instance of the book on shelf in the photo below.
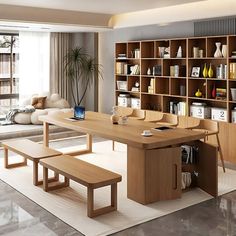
(178, 108)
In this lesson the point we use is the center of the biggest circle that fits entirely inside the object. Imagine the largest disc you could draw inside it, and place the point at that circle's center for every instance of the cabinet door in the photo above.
(207, 168)
(163, 176)
(153, 175)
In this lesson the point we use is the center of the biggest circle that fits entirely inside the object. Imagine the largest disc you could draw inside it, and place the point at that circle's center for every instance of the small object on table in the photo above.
(146, 133)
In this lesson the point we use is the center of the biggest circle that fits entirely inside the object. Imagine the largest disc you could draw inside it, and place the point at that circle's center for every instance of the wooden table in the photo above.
(153, 163)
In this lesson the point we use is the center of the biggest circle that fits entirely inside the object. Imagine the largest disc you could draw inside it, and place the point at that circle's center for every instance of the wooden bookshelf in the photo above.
(181, 87)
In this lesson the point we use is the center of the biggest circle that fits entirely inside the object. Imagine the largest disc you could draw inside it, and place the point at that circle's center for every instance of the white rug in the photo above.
(69, 204)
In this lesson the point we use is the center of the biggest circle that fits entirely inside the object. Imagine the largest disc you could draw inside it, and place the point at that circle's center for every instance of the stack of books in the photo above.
(233, 54)
(221, 93)
(121, 56)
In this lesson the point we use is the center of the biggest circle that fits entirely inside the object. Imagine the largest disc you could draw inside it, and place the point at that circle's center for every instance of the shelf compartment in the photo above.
(199, 43)
(232, 45)
(172, 62)
(146, 82)
(211, 47)
(178, 86)
(147, 49)
(232, 112)
(133, 50)
(146, 64)
(194, 85)
(217, 84)
(232, 84)
(175, 44)
(168, 99)
(151, 102)
(132, 81)
(158, 44)
(121, 48)
(162, 86)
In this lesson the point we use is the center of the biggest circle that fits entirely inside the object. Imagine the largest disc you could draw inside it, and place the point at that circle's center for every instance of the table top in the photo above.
(99, 124)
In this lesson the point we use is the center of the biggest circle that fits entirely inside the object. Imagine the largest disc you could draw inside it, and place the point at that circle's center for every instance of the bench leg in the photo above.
(36, 180)
(45, 179)
(59, 185)
(6, 163)
(90, 202)
(88, 149)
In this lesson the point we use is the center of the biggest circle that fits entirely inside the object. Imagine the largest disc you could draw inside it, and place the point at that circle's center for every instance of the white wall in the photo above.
(107, 42)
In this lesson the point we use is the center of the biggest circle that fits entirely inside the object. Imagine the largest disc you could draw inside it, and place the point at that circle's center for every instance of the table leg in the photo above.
(88, 149)
(5, 157)
(89, 142)
(46, 134)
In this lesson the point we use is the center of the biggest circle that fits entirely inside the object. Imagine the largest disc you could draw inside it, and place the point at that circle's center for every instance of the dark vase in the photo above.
(213, 91)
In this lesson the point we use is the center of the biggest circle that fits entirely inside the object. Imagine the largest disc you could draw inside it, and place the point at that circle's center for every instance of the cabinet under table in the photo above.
(155, 174)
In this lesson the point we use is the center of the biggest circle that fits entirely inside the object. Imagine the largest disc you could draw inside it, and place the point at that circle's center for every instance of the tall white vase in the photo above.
(224, 51)
(218, 51)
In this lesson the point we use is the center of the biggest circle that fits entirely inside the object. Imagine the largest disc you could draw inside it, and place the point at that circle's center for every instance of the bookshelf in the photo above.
(180, 87)
(9, 80)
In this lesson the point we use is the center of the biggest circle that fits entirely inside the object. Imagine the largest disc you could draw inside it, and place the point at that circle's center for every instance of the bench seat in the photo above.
(84, 173)
(29, 150)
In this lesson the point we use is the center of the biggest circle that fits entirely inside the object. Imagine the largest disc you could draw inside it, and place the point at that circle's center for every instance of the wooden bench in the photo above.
(32, 151)
(86, 174)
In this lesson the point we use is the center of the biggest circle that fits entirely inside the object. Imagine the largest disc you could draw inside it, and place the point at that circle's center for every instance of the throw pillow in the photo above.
(38, 102)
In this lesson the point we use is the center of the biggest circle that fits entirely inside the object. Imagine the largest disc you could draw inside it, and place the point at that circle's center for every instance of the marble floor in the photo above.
(21, 216)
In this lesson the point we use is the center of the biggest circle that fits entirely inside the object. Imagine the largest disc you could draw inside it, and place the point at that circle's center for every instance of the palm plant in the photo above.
(81, 70)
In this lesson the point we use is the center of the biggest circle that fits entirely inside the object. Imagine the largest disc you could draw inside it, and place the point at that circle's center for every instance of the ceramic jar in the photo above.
(224, 51)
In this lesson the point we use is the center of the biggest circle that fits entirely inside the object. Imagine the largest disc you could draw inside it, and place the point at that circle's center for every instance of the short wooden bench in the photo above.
(86, 174)
(32, 151)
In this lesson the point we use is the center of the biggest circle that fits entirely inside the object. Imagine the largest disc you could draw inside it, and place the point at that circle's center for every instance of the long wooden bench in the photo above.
(86, 174)
(29, 150)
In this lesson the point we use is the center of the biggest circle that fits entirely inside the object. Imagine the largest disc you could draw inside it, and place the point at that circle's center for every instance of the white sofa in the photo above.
(53, 104)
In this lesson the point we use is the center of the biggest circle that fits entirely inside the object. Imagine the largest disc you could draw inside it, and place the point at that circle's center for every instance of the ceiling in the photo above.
(99, 6)
(101, 15)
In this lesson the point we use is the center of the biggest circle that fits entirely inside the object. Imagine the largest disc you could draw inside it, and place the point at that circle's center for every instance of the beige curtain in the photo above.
(59, 46)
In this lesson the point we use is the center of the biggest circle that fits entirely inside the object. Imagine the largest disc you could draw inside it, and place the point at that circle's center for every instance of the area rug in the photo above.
(69, 204)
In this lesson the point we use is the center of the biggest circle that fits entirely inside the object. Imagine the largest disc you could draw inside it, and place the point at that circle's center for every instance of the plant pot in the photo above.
(233, 93)
(79, 112)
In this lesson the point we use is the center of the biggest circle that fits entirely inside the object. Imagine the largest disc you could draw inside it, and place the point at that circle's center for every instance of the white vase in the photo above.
(224, 51)
(218, 52)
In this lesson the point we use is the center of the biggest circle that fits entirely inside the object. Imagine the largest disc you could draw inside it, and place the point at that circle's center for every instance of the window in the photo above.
(9, 79)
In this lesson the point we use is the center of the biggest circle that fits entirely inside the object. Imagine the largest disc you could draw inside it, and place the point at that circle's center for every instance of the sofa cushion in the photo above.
(35, 116)
(38, 102)
(23, 118)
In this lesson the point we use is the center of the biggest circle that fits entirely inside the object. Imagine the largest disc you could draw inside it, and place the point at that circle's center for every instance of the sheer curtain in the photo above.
(34, 51)
(59, 46)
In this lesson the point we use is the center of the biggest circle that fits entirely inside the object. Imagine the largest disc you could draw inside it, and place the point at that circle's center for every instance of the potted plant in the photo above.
(82, 70)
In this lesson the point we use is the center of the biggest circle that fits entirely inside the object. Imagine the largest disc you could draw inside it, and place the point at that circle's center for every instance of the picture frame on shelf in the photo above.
(195, 72)
(122, 85)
